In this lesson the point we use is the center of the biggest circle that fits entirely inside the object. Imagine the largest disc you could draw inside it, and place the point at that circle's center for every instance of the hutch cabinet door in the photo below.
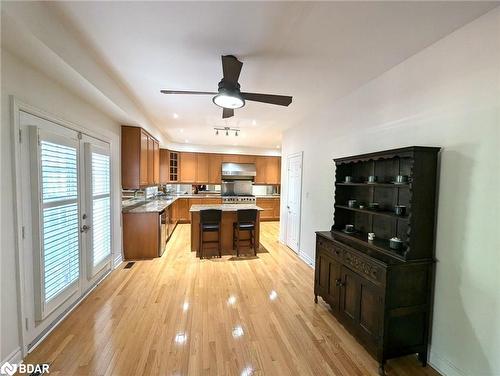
(334, 283)
(322, 272)
(371, 309)
(328, 277)
(349, 296)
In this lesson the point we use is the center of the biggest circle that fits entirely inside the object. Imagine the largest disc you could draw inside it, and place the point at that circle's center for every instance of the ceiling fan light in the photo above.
(229, 99)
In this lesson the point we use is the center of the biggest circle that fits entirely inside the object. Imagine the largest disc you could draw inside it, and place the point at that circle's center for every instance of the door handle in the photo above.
(84, 228)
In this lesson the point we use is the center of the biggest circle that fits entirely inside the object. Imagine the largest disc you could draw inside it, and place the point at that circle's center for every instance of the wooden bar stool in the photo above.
(247, 219)
(210, 221)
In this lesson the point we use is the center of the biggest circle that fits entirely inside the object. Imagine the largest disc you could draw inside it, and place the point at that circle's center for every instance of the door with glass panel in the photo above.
(96, 213)
(66, 219)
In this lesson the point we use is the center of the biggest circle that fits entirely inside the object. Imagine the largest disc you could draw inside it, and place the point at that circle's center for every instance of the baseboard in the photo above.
(444, 366)
(117, 262)
(308, 260)
(15, 357)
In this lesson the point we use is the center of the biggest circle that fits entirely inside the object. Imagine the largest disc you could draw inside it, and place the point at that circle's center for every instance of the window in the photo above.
(101, 209)
(59, 230)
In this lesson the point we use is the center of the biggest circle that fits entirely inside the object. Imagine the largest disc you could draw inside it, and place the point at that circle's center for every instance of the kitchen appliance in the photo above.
(239, 200)
(238, 171)
(229, 95)
(164, 230)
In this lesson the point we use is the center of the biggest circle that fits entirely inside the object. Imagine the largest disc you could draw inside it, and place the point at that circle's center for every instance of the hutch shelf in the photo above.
(382, 295)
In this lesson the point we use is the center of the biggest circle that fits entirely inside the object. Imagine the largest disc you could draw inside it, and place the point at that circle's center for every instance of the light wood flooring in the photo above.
(178, 315)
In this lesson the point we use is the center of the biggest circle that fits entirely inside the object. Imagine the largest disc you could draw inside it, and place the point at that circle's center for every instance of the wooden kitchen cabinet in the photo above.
(247, 159)
(268, 170)
(271, 210)
(188, 163)
(261, 170)
(273, 170)
(214, 168)
(205, 168)
(141, 235)
(233, 158)
(164, 166)
(183, 215)
(202, 168)
(138, 158)
(144, 172)
(156, 162)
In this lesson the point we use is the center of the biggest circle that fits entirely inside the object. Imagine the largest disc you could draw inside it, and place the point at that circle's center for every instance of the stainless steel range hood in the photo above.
(238, 171)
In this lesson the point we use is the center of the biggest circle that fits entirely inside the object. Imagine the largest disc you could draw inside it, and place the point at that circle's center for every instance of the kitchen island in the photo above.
(229, 217)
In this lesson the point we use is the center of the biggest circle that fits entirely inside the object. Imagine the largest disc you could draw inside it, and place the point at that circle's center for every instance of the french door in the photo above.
(66, 198)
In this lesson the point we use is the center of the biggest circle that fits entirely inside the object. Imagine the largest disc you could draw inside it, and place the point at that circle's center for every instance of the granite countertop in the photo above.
(154, 206)
(160, 203)
(224, 207)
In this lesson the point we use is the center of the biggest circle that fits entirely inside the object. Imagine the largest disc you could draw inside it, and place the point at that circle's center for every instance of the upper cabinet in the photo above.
(164, 166)
(202, 166)
(140, 158)
(145, 164)
(268, 170)
(188, 165)
(214, 168)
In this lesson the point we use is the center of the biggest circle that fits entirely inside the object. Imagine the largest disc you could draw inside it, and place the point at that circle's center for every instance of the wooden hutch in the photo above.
(382, 296)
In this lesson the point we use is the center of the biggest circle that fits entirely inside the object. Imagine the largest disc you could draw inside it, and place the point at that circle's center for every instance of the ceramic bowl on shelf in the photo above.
(401, 179)
(373, 206)
(352, 203)
(349, 229)
(395, 243)
(348, 179)
(400, 210)
(372, 179)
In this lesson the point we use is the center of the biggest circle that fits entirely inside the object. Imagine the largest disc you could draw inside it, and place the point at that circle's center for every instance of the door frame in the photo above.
(16, 107)
(288, 157)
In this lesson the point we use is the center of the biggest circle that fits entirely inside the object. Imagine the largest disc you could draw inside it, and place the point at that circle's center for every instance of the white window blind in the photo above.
(60, 266)
(101, 209)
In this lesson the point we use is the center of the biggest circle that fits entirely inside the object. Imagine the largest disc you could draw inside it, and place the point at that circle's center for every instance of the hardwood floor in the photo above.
(179, 315)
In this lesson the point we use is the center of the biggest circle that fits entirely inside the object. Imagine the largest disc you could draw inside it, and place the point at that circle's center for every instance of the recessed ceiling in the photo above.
(316, 52)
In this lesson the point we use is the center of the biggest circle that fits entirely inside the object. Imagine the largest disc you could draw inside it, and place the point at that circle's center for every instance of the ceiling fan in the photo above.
(229, 95)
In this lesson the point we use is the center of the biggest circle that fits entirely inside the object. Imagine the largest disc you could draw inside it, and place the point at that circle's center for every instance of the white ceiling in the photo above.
(316, 52)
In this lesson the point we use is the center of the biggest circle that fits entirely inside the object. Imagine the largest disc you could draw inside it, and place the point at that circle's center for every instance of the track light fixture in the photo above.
(226, 130)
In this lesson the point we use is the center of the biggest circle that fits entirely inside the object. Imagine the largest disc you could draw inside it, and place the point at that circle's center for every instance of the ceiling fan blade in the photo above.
(280, 100)
(231, 68)
(187, 92)
(227, 113)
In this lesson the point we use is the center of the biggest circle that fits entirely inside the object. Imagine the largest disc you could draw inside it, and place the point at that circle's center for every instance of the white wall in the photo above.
(447, 95)
(35, 89)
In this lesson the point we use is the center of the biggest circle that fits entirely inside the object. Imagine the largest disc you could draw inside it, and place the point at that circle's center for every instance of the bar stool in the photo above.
(210, 221)
(247, 219)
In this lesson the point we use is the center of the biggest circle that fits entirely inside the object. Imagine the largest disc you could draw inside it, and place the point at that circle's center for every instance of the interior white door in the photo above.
(293, 203)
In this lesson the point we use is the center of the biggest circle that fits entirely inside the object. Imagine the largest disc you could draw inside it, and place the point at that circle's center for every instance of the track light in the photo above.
(226, 130)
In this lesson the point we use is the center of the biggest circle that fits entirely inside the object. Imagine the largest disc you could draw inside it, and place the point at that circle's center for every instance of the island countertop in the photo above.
(225, 207)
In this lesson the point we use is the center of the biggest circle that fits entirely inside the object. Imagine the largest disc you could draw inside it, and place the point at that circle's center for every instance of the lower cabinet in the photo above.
(385, 305)
(271, 208)
(142, 235)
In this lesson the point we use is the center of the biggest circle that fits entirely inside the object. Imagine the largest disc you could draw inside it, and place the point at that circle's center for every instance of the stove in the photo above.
(239, 200)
